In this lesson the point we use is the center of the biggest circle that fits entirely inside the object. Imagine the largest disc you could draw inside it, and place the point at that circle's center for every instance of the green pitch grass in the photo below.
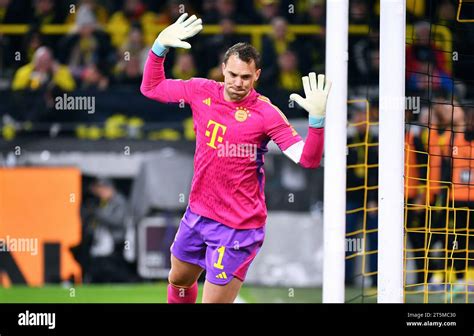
(143, 293)
(156, 293)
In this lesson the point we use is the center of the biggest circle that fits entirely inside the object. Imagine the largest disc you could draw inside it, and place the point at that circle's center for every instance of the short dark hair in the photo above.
(246, 52)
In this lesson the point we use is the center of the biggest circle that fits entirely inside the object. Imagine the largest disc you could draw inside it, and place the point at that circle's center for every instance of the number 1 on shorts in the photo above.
(218, 264)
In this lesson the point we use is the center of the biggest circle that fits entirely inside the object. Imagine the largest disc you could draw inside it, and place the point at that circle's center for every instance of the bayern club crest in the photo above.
(241, 114)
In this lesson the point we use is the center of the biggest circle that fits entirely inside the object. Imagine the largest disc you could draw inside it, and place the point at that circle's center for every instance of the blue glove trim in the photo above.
(316, 122)
(158, 49)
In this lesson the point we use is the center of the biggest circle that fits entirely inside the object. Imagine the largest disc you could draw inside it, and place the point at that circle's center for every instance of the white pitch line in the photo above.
(239, 299)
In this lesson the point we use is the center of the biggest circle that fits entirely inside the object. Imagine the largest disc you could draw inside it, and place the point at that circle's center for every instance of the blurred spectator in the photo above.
(44, 76)
(420, 140)
(87, 48)
(314, 13)
(415, 198)
(133, 11)
(447, 114)
(214, 45)
(109, 218)
(31, 42)
(428, 76)
(364, 59)
(12, 12)
(267, 10)
(215, 73)
(12, 50)
(45, 12)
(273, 45)
(460, 246)
(426, 67)
(135, 45)
(434, 138)
(132, 58)
(130, 73)
(4, 8)
(289, 78)
(422, 50)
(359, 12)
(446, 13)
(314, 55)
(184, 67)
(173, 10)
(104, 226)
(416, 9)
(281, 38)
(225, 9)
(463, 41)
(42, 72)
(100, 12)
(93, 79)
(361, 203)
(208, 11)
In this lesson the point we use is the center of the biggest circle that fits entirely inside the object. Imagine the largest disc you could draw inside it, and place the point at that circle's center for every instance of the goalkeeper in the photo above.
(223, 227)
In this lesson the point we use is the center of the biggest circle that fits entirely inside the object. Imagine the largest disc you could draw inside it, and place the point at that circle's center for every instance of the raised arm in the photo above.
(154, 83)
(308, 153)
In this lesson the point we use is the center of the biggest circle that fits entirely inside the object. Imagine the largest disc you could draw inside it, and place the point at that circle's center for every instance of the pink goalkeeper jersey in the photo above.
(231, 140)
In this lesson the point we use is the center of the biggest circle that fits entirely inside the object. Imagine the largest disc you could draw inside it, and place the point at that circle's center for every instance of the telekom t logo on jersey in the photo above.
(213, 129)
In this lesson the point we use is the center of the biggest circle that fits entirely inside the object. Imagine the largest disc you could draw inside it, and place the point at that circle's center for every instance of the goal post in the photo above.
(337, 29)
(391, 151)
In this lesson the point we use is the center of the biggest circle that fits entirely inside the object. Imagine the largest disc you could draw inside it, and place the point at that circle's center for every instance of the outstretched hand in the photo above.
(182, 29)
(316, 92)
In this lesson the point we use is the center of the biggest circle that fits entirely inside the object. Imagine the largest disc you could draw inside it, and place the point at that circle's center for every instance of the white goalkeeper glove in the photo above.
(316, 93)
(173, 35)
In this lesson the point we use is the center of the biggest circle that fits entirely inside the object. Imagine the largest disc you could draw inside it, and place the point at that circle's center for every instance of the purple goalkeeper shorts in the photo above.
(222, 251)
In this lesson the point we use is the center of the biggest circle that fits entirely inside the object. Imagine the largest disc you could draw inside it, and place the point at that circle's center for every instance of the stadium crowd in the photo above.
(107, 44)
